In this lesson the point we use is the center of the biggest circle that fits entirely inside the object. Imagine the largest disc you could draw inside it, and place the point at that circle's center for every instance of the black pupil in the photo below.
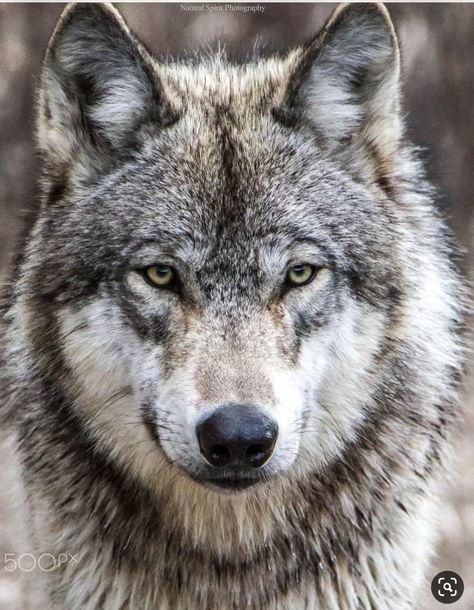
(299, 270)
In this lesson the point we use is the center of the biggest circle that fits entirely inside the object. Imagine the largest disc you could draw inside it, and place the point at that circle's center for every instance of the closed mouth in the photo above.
(231, 484)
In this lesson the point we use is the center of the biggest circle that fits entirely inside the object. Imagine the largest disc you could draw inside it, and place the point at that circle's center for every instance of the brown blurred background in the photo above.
(437, 42)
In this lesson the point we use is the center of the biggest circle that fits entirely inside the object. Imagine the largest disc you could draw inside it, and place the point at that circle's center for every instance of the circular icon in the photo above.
(447, 587)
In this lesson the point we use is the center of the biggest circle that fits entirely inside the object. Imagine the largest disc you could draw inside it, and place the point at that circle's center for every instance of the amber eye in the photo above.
(161, 276)
(299, 275)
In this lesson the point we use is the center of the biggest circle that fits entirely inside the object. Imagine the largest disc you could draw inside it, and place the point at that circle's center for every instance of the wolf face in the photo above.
(220, 250)
(236, 280)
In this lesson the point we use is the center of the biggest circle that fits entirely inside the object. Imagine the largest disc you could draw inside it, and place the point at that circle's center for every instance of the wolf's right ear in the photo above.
(98, 87)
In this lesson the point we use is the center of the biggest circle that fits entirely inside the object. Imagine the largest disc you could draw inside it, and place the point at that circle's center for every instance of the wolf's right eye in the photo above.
(161, 276)
(300, 275)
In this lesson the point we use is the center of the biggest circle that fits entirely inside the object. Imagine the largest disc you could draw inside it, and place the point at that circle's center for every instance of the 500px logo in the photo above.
(46, 562)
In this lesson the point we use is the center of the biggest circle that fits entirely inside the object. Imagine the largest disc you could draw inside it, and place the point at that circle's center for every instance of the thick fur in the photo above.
(230, 173)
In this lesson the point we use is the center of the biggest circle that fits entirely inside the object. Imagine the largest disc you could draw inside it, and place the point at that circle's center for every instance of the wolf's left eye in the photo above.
(299, 275)
(161, 276)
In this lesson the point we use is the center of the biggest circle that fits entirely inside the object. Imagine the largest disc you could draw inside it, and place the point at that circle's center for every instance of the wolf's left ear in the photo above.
(346, 84)
(99, 86)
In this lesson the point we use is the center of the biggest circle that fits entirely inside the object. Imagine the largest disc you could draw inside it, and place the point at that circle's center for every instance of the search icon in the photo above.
(447, 587)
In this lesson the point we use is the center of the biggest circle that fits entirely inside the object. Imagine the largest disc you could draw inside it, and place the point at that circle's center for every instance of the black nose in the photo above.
(237, 435)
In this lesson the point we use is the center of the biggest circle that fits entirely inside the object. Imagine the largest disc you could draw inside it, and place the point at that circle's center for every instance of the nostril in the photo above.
(257, 455)
(220, 455)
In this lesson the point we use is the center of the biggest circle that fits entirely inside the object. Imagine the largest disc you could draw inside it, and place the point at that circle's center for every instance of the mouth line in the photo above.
(230, 484)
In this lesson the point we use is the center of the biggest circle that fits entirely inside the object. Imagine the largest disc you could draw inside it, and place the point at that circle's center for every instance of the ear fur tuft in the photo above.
(346, 85)
(99, 85)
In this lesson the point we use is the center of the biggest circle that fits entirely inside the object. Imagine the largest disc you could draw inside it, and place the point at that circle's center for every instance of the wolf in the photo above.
(232, 349)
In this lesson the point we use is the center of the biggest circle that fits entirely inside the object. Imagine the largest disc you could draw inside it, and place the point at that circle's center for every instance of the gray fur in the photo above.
(231, 173)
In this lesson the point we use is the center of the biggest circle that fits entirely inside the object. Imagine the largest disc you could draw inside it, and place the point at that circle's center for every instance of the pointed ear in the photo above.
(99, 86)
(346, 85)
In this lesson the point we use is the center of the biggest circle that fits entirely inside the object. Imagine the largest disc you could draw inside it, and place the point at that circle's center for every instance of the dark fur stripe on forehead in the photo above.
(226, 131)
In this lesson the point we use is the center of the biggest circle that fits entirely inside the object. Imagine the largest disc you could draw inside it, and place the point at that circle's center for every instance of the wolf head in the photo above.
(221, 255)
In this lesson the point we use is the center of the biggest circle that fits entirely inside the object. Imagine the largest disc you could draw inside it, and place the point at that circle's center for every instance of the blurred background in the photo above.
(437, 42)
